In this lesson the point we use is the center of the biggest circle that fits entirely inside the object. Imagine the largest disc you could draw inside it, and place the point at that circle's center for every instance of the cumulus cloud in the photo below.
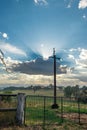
(41, 71)
(71, 56)
(83, 54)
(41, 2)
(82, 60)
(82, 4)
(6, 47)
(10, 62)
(38, 67)
(2, 58)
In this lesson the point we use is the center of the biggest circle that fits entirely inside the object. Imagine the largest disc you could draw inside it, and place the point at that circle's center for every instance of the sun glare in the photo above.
(45, 51)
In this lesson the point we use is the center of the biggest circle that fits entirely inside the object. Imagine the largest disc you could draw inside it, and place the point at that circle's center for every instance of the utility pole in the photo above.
(55, 105)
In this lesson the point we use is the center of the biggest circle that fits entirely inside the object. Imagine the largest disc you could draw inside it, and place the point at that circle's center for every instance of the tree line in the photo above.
(80, 94)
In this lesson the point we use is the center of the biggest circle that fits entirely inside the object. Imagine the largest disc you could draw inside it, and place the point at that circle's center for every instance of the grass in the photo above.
(35, 110)
(7, 118)
(35, 113)
(36, 116)
(40, 92)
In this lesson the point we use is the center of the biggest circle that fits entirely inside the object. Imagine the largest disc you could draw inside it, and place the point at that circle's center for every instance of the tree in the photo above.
(76, 91)
(68, 91)
(83, 95)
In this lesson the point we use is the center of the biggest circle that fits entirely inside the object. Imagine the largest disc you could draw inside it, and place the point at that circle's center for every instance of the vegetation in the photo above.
(6, 98)
(83, 95)
(68, 91)
(80, 94)
(35, 113)
(64, 126)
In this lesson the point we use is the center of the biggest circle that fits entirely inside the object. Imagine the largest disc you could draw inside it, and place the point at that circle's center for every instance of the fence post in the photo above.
(44, 111)
(62, 108)
(20, 109)
(79, 111)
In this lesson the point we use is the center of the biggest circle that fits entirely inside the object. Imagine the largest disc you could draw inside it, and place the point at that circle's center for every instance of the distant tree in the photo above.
(51, 86)
(83, 95)
(61, 88)
(34, 89)
(68, 91)
(84, 90)
(75, 91)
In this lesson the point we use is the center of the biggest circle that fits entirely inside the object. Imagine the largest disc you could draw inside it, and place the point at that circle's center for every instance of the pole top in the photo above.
(53, 51)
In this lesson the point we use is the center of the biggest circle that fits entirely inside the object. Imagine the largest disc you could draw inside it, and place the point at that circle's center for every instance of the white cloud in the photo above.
(75, 49)
(81, 62)
(71, 56)
(12, 49)
(4, 35)
(69, 6)
(41, 2)
(84, 16)
(83, 54)
(9, 61)
(18, 79)
(72, 49)
(82, 4)
(36, 1)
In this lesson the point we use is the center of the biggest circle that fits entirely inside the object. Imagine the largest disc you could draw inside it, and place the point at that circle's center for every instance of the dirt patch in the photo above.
(76, 117)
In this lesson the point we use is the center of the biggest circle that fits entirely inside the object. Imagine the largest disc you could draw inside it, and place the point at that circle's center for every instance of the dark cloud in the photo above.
(82, 78)
(37, 67)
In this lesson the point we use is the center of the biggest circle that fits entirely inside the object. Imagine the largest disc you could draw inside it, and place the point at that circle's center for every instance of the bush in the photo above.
(6, 98)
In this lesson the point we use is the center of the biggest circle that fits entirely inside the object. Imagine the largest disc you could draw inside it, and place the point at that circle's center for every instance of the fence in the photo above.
(38, 111)
(12, 109)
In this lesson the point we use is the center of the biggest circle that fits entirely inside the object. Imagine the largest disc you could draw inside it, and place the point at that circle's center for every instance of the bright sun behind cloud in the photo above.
(45, 51)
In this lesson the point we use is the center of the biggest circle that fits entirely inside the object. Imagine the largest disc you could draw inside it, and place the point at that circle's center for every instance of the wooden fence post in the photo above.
(20, 109)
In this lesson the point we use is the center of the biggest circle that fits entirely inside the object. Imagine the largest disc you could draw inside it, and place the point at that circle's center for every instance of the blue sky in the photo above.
(30, 29)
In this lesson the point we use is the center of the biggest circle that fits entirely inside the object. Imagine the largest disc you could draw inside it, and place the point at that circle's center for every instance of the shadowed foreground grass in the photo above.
(7, 118)
(64, 126)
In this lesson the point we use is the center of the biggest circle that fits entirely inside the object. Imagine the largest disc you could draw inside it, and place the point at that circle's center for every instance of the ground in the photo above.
(64, 126)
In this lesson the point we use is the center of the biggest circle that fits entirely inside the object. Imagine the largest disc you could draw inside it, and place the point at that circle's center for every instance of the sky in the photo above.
(30, 29)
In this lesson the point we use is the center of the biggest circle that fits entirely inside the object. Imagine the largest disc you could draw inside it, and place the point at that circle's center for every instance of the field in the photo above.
(38, 112)
(41, 92)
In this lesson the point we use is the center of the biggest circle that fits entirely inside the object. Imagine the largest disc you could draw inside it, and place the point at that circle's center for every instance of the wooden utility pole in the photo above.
(55, 105)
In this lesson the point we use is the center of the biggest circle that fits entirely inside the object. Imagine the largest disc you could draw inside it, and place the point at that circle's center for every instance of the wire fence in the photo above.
(38, 111)
(8, 107)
